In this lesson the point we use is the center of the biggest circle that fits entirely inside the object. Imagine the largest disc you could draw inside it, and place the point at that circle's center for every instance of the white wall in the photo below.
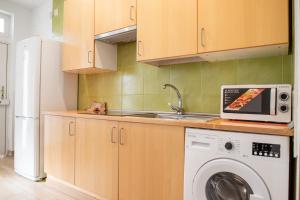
(42, 20)
(22, 19)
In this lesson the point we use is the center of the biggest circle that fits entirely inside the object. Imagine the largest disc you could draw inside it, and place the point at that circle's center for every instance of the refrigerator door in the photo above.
(27, 147)
(28, 66)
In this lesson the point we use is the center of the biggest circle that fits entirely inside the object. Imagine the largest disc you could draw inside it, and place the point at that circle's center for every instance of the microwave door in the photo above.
(273, 101)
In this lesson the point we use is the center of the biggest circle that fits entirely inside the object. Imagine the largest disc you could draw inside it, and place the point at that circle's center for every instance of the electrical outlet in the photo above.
(55, 12)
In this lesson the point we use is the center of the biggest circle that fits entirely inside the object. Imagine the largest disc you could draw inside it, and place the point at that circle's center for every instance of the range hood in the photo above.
(123, 35)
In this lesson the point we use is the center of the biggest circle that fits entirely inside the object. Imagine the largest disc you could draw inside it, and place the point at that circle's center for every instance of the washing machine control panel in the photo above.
(266, 150)
(229, 145)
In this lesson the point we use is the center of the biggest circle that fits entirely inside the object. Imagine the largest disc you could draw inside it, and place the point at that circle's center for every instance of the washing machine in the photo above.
(222, 165)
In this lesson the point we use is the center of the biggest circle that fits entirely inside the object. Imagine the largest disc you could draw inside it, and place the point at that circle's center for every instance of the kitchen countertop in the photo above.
(215, 124)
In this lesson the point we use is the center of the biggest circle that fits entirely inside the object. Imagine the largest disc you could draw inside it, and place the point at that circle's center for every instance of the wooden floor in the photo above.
(15, 187)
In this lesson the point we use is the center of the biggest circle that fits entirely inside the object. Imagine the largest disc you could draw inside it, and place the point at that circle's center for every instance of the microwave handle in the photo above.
(273, 101)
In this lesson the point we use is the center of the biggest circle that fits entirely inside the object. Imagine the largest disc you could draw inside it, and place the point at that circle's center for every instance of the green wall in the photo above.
(57, 21)
(137, 86)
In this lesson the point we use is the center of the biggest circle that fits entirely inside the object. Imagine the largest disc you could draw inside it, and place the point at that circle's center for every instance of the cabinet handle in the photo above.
(121, 136)
(112, 135)
(132, 8)
(70, 132)
(139, 48)
(89, 57)
(202, 37)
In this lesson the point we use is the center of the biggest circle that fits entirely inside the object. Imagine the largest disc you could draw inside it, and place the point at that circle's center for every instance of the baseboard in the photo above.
(51, 178)
(10, 153)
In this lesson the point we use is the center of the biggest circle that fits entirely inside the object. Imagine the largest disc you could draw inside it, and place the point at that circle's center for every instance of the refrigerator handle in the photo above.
(70, 128)
(2, 93)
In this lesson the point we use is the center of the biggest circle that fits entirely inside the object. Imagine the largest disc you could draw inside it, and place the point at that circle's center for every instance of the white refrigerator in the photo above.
(40, 86)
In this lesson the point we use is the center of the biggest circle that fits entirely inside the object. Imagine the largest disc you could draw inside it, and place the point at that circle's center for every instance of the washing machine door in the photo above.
(226, 179)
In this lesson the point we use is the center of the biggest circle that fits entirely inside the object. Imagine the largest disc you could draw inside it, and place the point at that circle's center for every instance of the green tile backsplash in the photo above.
(138, 86)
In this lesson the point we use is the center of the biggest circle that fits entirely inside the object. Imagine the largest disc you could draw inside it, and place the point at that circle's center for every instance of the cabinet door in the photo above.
(166, 28)
(235, 24)
(151, 162)
(78, 46)
(59, 147)
(114, 14)
(97, 157)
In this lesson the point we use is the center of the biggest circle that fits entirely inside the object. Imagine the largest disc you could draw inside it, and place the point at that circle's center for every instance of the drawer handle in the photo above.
(203, 37)
(121, 137)
(112, 135)
(89, 57)
(132, 8)
(70, 132)
(139, 48)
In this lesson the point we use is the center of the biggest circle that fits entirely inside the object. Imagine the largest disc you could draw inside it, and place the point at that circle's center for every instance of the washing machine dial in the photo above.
(228, 146)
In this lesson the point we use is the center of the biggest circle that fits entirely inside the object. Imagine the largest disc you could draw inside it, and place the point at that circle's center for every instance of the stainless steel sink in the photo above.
(199, 117)
(188, 116)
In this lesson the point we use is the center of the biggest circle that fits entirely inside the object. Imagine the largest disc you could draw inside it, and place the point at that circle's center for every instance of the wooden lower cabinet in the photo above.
(116, 160)
(97, 157)
(59, 147)
(151, 161)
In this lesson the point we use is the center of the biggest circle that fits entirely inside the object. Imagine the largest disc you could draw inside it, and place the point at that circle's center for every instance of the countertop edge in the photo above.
(218, 124)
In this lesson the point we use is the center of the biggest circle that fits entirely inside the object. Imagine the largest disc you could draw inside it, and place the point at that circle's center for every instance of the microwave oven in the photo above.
(268, 103)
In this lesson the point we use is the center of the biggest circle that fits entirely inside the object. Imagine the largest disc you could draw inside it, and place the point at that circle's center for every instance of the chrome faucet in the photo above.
(179, 108)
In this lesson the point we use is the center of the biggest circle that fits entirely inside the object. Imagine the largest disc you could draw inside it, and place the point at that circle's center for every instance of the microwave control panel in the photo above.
(266, 150)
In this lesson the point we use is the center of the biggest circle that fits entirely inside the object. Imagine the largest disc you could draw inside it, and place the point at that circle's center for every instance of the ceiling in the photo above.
(28, 3)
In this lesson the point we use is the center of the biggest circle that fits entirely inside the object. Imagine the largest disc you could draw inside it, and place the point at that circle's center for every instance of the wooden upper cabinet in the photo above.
(237, 24)
(151, 162)
(96, 167)
(111, 15)
(59, 147)
(166, 29)
(78, 46)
